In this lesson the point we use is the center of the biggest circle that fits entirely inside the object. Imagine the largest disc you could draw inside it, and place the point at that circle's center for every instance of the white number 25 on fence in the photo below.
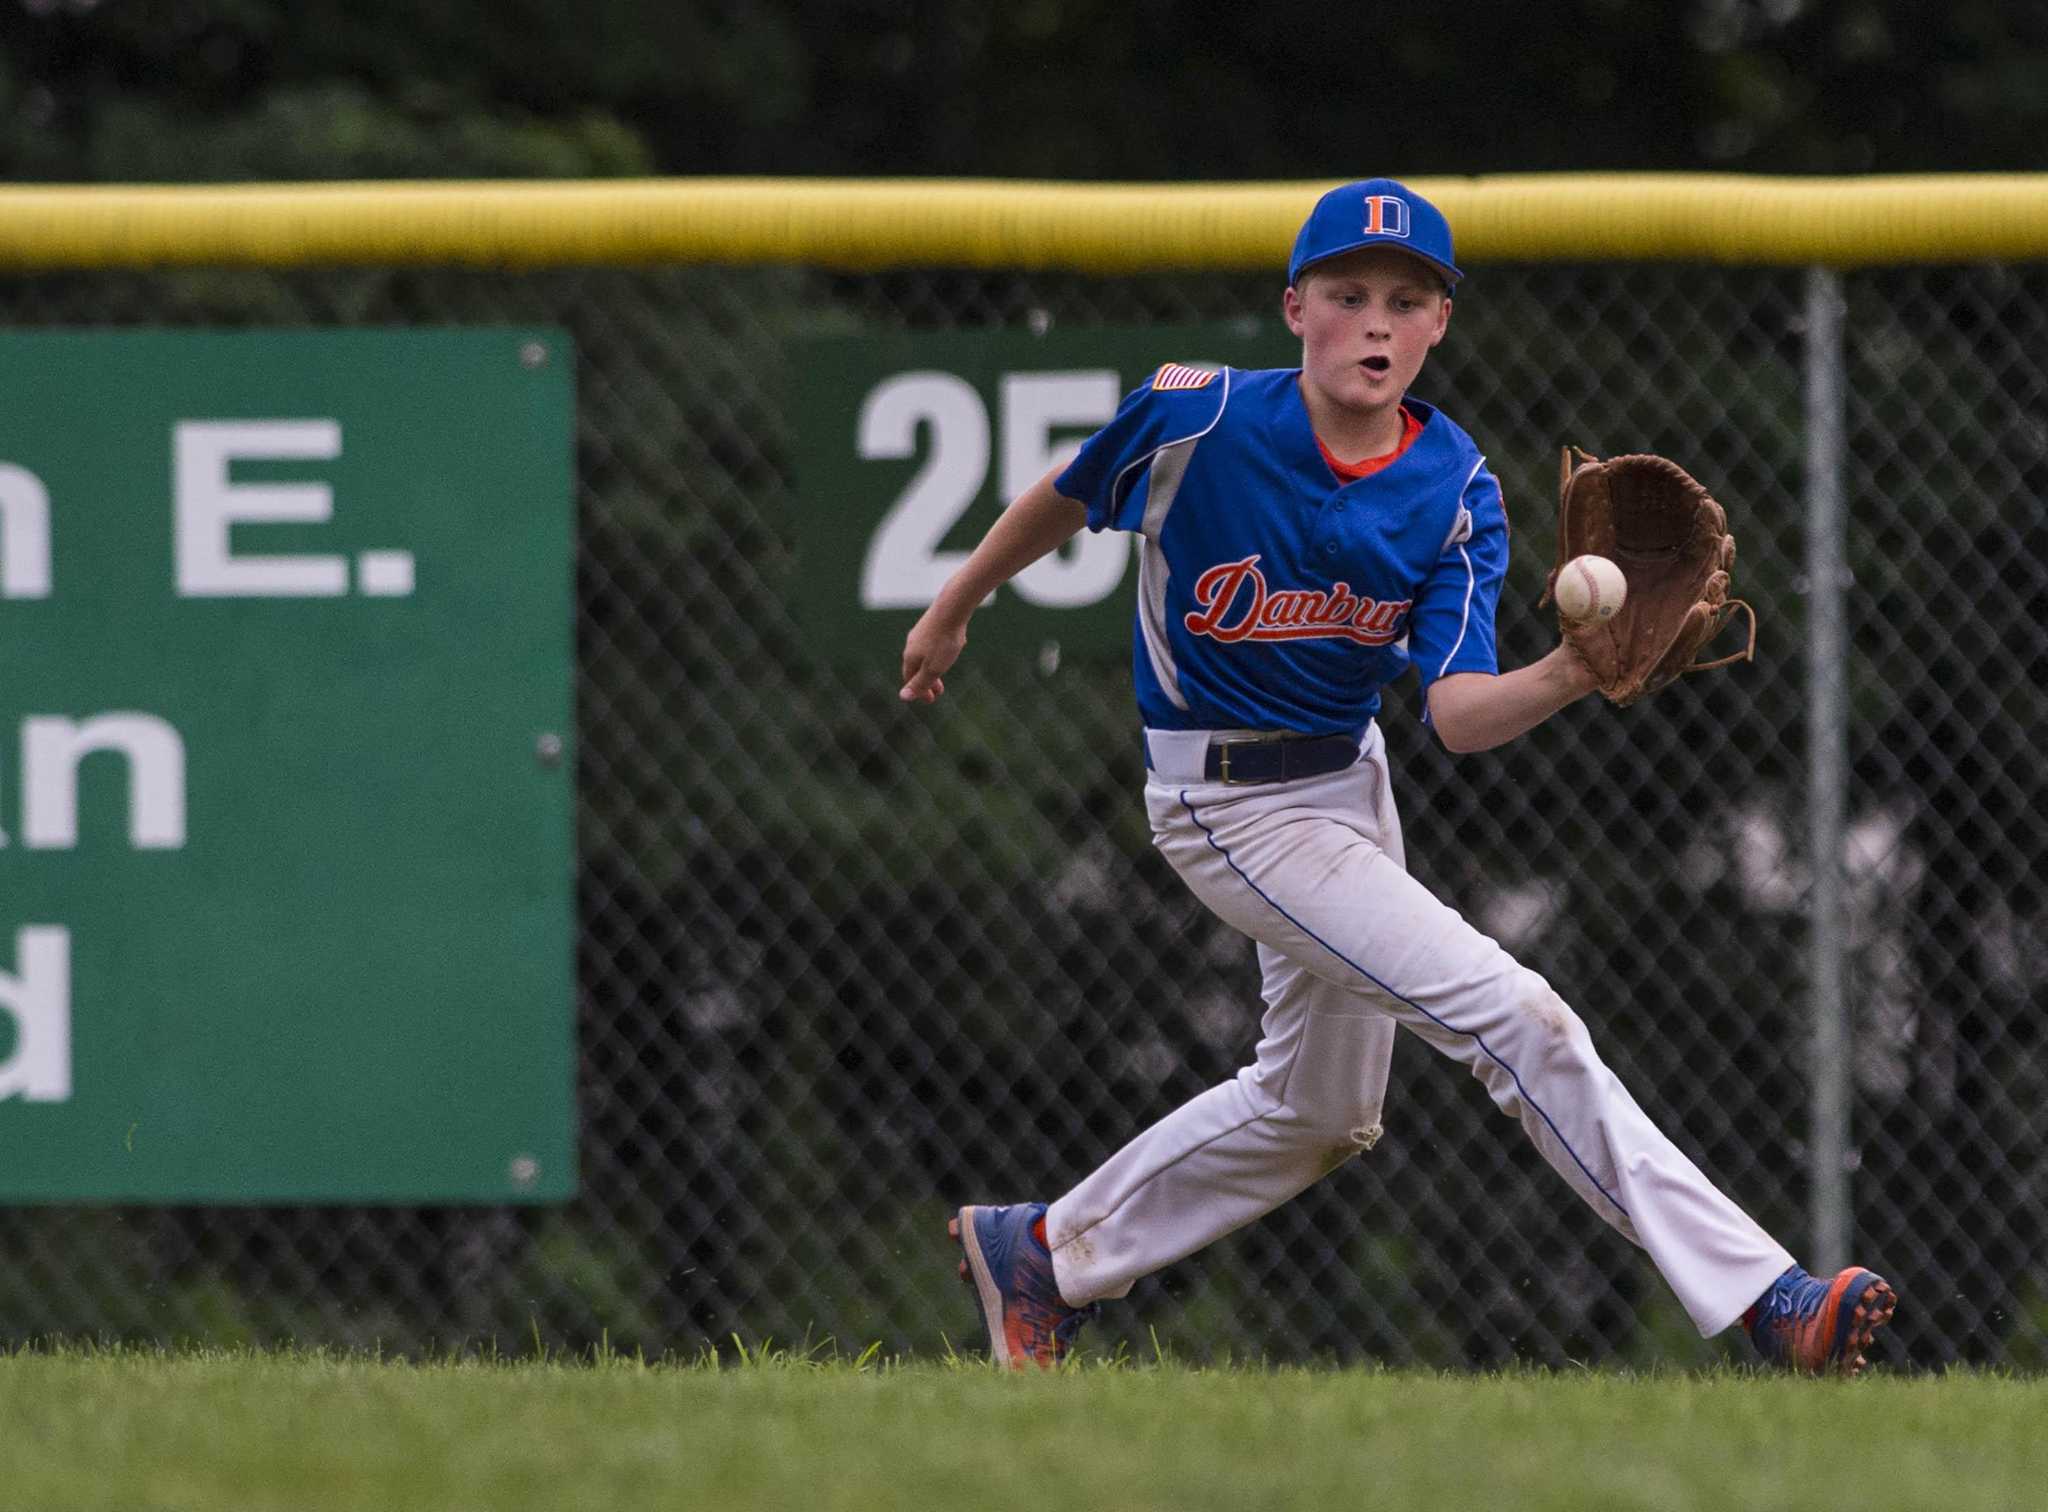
(904, 567)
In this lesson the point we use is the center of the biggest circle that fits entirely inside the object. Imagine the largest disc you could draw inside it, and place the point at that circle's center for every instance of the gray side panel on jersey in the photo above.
(1461, 524)
(1461, 532)
(1222, 403)
(1169, 466)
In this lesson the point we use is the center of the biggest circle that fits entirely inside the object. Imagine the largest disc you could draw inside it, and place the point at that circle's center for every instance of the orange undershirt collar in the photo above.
(1351, 472)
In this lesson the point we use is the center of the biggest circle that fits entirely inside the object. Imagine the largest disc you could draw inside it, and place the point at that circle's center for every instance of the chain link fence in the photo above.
(844, 965)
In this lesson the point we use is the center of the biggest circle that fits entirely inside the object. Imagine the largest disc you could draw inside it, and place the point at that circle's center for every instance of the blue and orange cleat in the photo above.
(1820, 1327)
(1011, 1272)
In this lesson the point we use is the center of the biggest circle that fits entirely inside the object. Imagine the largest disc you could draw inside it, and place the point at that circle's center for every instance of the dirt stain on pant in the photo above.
(1552, 1012)
(1362, 1139)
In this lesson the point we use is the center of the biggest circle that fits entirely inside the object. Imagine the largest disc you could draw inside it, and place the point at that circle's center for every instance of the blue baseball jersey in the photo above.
(1272, 595)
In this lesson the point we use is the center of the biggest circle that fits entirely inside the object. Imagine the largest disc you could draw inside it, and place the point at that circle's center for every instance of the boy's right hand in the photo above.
(933, 645)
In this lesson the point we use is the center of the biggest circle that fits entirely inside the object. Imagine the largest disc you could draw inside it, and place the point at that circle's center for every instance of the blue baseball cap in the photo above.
(1373, 213)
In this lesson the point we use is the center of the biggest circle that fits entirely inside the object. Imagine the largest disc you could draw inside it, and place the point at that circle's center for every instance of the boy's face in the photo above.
(1366, 322)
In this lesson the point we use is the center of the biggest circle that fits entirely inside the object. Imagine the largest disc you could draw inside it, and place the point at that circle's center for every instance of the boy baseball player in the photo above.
(1307, 535)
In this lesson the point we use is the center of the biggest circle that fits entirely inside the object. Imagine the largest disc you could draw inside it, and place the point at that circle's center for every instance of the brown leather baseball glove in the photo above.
(1671, 541)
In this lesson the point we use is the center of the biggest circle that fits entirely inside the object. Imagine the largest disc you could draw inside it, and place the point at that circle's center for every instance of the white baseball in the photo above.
(1590, 588)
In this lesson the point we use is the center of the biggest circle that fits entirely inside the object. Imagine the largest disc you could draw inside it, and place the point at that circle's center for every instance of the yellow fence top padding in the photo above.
(1096, 228)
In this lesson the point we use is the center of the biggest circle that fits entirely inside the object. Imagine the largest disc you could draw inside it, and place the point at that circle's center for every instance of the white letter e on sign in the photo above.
(207, 505)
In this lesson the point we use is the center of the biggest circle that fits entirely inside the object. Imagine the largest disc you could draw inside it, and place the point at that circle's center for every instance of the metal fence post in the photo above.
(1827, 769)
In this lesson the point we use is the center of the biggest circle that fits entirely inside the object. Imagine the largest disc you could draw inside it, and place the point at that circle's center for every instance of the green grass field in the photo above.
(148, 1432)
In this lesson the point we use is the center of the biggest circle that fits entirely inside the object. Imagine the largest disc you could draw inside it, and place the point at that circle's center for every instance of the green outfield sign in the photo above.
(909, 444)
(286, 857)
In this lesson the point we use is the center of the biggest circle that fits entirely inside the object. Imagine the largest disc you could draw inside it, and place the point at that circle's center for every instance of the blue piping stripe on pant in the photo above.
(1470, 1034)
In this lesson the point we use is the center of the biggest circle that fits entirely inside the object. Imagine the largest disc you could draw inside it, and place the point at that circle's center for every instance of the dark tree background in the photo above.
(181, 90)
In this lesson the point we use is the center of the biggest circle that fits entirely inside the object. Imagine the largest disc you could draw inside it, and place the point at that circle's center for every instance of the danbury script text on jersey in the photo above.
(1290, 614)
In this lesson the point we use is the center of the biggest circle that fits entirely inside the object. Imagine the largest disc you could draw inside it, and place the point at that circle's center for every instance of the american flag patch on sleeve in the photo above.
(1178, 376)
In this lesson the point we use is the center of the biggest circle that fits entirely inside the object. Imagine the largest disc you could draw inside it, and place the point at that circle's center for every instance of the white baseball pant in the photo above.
(1350, 946)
